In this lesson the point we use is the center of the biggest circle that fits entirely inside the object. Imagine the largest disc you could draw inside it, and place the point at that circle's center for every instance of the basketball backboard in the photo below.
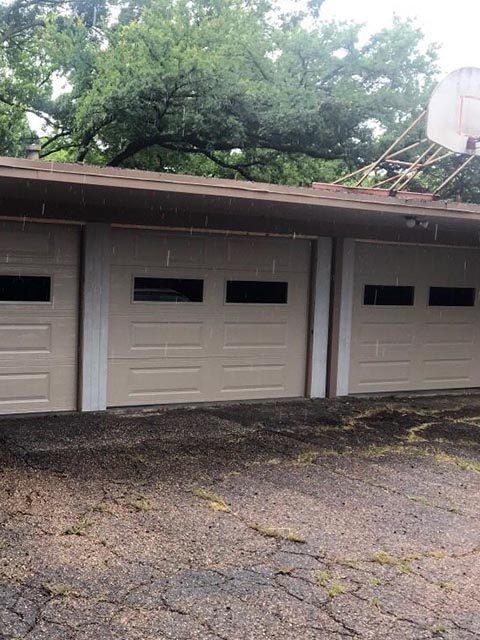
(453, 119)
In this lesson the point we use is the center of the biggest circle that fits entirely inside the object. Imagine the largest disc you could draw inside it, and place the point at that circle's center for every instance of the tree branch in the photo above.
(258, 66)
(241, 168)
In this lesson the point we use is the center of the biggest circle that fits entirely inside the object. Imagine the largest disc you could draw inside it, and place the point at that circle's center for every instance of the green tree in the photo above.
(206, 78)
(214, 87)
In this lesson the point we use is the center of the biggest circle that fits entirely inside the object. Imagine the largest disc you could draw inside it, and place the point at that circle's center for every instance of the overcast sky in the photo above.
(454, 24)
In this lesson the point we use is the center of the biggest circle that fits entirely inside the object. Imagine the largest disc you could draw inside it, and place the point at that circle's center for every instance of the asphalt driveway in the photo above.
(293, 520)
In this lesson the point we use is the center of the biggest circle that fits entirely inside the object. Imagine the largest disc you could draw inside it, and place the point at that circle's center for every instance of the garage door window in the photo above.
(388, 295)
(451, 297)
(256, 292)
(17, 288)
(167, 290)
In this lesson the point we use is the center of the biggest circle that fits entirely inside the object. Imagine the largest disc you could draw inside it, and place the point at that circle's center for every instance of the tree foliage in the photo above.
(213, 87)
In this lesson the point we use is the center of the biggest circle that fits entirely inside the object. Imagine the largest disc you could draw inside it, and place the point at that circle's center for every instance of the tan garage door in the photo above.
(38, 317)
(416, 318)
(196, 318)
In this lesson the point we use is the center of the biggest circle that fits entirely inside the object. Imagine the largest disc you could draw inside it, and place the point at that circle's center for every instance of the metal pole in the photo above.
(354, 173)
(420, 167)
(392, 146)
(413, 167)
(453, 175)
(410, 146)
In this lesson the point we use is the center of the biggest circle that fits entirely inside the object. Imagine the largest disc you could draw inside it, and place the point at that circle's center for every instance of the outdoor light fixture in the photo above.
(413, 221)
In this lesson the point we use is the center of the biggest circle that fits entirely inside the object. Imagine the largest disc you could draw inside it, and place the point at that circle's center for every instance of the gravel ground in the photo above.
(287, 520)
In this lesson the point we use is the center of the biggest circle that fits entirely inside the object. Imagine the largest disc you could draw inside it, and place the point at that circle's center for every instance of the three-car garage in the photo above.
(101, 314)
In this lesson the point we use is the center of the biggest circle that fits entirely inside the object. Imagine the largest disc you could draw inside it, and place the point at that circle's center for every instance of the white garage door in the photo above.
(196, 318)
(416, 318)
(38, 317)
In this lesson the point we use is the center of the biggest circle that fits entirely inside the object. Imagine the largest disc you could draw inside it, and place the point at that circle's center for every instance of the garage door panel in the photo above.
(165, 379)
(157, 382)
(39, 339)
(166, 336)
(170, 251)
(387, 372)
(386, 342)
(34, 388)
(242, 380)
(157, 249)
(451, 372)
(163, 352)
(413, 347)
(25, 339)
(385, 332)
(385, 352)
(63, 286)
(24, 387)
(448, 333)
(261, 255)
(456, 269)
(39, 244)
(19, 243)
(265, 376)
(150, 337)
(265, 255)
(255, 335)
(385, 264)
(448, 341)
(122, 285)
(446, 353)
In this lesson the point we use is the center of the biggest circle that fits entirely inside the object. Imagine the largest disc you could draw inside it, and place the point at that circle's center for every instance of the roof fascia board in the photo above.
(17, 169)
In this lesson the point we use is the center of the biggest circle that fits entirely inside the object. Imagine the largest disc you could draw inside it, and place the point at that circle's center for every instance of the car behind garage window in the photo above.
(167, 290)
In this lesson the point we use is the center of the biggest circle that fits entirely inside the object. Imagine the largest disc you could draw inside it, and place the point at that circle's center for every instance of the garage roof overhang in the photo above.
(73, 192)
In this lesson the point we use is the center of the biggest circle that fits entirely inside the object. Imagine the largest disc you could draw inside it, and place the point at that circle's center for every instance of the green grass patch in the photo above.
(323, 578)
(336, 589)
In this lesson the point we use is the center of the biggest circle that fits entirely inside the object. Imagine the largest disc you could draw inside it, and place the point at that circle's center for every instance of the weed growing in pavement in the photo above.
(336, 589)
(59, 590)
(139, 504)
(375, 582)
(323, 578)
(439, 629)
(385, 559)
(347, 562)
(215, 502)
(78, 529)
(278, 534)
(306, 457)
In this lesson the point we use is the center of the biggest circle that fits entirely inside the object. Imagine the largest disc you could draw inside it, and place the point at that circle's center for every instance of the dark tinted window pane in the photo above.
(379, 294)
(167, 290)
(255, 292)
(452, 297)
(24, 288)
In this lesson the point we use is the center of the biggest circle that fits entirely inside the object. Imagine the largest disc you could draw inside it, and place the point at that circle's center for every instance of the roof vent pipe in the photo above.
(33, 151)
